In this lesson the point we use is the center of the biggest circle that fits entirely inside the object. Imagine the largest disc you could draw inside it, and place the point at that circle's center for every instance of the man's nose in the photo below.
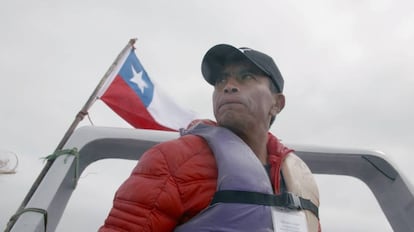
(231, 85)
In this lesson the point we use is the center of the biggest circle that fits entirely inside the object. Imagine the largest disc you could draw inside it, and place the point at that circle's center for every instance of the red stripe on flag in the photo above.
(126, 103)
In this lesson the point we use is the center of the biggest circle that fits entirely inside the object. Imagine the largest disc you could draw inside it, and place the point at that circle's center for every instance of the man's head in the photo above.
(218, 55)
(248, 86)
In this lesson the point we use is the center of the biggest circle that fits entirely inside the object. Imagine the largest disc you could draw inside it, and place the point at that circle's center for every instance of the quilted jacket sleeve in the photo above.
(148, 200)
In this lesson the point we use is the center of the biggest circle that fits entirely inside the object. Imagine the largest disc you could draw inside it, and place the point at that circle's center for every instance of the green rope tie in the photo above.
(14, 218)
(67, 152)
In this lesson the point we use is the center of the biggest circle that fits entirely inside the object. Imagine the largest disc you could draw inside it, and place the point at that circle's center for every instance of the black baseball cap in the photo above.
(217, 56)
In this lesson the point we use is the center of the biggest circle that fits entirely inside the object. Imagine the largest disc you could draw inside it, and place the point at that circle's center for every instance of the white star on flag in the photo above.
(137, 79)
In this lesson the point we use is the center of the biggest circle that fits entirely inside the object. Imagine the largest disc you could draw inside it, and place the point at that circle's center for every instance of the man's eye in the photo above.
(220, 80)
(246, 76)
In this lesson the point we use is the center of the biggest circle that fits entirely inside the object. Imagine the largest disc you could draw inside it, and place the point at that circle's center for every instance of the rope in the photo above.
(55, 155)
(14, 218)
(74, 152)
(82, 114)
(89, 118)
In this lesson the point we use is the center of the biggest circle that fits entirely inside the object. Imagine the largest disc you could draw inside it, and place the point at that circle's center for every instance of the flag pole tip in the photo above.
(133, 40)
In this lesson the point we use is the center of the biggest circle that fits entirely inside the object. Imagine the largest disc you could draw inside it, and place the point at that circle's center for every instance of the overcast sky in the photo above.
(348, 68)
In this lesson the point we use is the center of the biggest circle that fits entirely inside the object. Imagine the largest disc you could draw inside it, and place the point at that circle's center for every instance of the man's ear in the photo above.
(279, 103)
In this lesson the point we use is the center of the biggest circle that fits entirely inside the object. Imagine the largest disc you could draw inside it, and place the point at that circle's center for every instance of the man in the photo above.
(228, 175)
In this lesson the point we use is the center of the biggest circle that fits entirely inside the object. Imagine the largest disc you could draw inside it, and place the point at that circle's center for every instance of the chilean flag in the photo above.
(132, 95)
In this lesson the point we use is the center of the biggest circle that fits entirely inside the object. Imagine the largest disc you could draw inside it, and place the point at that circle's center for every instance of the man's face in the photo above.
(242, 98)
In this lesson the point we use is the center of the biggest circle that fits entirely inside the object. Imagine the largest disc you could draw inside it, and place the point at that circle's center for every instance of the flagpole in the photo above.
(79, 117)
(84, 111)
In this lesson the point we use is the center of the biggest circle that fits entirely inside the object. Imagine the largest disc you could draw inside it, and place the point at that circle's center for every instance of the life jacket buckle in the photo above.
(293, 201)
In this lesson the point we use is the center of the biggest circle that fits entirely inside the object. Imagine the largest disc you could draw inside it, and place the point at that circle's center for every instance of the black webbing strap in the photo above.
(286, 200)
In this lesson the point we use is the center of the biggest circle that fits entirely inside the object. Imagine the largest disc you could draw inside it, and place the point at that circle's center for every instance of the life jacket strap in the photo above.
(286, 200)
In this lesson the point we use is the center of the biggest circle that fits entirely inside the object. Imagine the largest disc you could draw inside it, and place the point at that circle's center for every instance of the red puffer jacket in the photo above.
(172, 182)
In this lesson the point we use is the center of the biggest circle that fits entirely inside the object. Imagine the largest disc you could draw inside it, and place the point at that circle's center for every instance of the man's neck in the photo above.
(257, 141)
